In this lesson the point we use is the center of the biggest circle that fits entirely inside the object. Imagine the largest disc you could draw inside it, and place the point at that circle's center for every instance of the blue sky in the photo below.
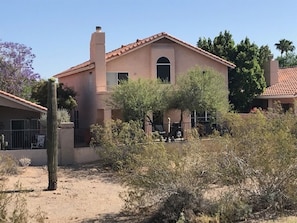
(59, 31)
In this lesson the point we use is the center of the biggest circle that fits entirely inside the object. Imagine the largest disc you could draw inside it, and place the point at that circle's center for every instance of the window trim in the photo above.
(165, 63)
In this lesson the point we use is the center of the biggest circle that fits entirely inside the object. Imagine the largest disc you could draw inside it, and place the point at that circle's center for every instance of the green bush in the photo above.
(62, 116)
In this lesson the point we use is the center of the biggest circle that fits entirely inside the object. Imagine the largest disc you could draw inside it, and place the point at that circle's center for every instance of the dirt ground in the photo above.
(85, 194)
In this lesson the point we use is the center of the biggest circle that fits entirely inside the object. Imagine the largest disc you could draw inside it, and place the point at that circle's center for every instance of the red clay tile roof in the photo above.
(144, 42)
(22, 101)
(124, 49)
(286, 86)
(83, 66)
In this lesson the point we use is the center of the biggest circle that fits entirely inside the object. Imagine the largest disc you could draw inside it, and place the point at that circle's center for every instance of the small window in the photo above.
(114, 78)
(286, 106)
(163, 69)
(122, 77)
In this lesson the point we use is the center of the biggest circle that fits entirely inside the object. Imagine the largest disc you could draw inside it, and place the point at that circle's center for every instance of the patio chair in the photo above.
(160, 130)
(40, 139)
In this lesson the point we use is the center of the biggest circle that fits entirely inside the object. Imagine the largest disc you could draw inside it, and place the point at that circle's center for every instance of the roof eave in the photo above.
(75, 71)
(36, 107)
(277, 96)
(129, 51)
(203, 52)
(196, 49)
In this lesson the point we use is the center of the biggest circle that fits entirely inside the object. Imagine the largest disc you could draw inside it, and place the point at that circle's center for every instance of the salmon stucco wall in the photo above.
(187, 59)
(84, 85)
(136, 63)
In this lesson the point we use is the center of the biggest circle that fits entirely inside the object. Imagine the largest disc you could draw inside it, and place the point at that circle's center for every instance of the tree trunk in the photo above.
(52, 135)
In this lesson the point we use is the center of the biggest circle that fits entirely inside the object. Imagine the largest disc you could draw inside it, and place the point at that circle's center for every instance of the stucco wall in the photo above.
(187, 59)
(85, 155)
(7, 114)
(84, 85)
(38, 156)
(136, 63)
(142, 63)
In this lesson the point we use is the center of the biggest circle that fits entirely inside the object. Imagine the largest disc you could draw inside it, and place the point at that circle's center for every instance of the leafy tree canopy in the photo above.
(16, 71)
(65, 95)
(289, 60)
(246, 81)
(199, 89)
(285, 46)
(138, 97)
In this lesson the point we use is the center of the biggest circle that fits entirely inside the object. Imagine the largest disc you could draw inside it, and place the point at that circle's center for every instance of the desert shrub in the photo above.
(62, 116)
(233, 207)
(13, 207)
(4, 201)
(163, 179)
(118, 142)
(20, 213)
(167, 180)
(249, 171)
(25, 161)
(259, 161)
(8, 165)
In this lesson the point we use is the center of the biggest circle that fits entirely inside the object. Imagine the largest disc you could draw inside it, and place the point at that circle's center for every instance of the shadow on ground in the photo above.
(117, 218)
(90, 171)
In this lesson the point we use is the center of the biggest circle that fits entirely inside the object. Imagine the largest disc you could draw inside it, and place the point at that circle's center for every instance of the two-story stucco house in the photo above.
(159, 56)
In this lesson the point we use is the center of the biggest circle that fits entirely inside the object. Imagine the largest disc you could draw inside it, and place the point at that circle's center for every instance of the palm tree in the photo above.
(285, 46)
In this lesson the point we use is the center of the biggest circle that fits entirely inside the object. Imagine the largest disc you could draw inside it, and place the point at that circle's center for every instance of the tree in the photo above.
(264, 55)
(200, 90)
(285, 46)
(246, 81)
(136, 98)
(205, 44)
(16, 72)
(52, 135)
(65, 95)
(289, 60)
(223, 45)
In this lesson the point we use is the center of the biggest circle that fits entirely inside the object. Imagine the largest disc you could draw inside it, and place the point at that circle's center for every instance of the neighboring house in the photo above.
(281, 87)
(19, 121)
(159, 56)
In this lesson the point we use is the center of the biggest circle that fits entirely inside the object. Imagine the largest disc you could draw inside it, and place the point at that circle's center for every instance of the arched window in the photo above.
(163, 69)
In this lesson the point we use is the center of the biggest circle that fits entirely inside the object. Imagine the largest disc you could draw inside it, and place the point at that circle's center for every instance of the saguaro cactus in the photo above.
(52, 135)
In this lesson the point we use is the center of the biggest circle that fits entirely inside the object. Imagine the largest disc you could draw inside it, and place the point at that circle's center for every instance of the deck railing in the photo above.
(24, 139)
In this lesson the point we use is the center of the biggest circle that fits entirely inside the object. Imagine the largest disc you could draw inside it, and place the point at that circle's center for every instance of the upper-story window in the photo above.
(163, 69)
(114, 78)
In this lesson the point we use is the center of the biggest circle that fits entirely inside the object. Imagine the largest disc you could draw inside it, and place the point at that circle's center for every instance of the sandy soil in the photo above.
(84, 194)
